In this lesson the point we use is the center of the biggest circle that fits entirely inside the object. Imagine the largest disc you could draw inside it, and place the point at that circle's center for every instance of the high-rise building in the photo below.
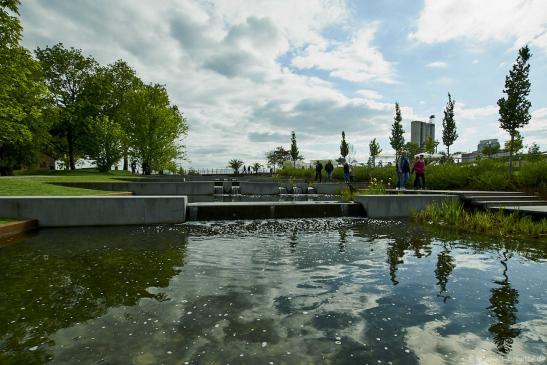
(420, 131)
(487, 142)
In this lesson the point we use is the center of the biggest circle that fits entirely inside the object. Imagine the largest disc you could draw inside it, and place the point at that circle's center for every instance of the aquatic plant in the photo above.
(452, 213)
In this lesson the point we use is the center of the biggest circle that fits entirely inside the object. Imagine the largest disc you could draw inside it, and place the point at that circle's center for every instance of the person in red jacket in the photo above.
(419, 168)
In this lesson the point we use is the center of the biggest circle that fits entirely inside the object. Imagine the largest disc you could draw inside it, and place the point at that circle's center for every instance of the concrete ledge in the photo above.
(398, 206)
(149, 188)
(11, 228)
(64, 211)
(268, 210)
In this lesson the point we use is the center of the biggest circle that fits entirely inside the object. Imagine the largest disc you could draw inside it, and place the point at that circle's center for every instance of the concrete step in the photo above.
(493, 203)
(502, 197)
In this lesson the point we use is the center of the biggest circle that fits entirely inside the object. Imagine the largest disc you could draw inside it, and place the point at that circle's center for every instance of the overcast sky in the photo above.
(245, 73)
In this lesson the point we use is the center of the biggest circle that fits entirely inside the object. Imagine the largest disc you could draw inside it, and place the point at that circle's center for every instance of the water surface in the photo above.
(333, 291)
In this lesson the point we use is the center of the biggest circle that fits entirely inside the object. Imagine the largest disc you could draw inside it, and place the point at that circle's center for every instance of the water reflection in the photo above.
(445, 265)
(61, 277)
(503, 306)
(333, 291)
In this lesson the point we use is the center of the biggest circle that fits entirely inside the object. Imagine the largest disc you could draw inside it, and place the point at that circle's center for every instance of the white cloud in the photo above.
(219, 61)
(357, 60)
(521, 22)
(370, 94)
(437, 64)
(475, 62)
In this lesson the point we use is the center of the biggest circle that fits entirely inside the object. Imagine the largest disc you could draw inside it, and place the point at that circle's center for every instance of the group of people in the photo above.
(405, 169)
(329, 168)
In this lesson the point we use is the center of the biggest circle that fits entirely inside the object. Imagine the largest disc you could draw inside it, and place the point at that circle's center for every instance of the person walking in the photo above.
(318, 169)
(346, 172)
(403, 171)
(419, 167)
(329, 168)
(412, 171)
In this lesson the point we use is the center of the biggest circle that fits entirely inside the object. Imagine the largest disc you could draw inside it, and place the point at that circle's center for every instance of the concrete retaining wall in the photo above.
(268, 210)
(95, 210)
(397, 206)
(150, 188)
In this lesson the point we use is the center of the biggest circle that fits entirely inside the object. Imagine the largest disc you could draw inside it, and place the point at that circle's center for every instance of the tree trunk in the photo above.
(511, 156)
(70, 141)
(125, 162)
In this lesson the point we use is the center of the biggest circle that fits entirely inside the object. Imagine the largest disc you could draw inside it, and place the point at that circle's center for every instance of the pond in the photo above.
(313, 291)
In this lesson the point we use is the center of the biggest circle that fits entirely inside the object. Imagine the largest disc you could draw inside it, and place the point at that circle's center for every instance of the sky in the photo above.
(247, 73)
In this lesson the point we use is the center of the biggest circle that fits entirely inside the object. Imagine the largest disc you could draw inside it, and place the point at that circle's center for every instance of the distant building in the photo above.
(421, 131)
(487, 142)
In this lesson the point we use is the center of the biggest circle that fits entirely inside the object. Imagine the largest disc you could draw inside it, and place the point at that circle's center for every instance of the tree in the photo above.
(256, 166)
(278, 156)
(516, 144)
(515, 107)
(412, 148)
(235, 164)
(397, 139)
(106, 93)
(66, 72)
(375, 150)
(295, 154)
(155, 128)
(534, 153)
(490, 149)
(23, 130)
(429, 146)
(449, 125)
(107, 147)
(344, 147)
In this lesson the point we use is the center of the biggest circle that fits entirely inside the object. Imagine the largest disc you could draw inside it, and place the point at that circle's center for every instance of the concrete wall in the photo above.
(259, 188)
(151, 188)
(268, 210)
(397, 206)
(95, 210)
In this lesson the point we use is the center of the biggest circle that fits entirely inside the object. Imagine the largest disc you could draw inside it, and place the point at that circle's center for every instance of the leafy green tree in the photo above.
(429, 146)
(23, 130)
(449, 126)
(375, 150)
(534, 153)
(107, 149)
(155, 128)
(515, 144)
(397, 139)
(66, 72)
(256, 166)
(515, 107)
(295, 153)
(235, 164)
(412, 148)
(344, 147)
(278, 156)
(106, 95)
(490, 149)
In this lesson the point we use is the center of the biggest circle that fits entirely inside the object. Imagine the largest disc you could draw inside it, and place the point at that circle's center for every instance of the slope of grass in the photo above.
(40, 183)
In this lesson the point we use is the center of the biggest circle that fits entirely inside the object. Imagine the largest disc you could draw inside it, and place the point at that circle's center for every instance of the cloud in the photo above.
(268, 137)
(357, 60)
(437, 64)
(369, 94)
(522, 22)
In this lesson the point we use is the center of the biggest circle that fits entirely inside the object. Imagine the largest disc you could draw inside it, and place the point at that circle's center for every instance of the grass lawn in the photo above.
(37, 182)
(5, 220)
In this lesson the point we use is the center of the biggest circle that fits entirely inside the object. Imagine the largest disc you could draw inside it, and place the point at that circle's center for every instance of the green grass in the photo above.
(40, 182)
(6, 220)
(495, 223)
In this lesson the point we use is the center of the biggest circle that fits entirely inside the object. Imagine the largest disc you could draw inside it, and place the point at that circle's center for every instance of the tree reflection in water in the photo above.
(445, 265)
(503, 306)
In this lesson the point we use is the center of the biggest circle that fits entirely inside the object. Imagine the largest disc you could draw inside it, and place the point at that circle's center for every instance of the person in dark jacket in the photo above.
(346, 172)
(318, 169)
(329, 168)
(403, 171)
